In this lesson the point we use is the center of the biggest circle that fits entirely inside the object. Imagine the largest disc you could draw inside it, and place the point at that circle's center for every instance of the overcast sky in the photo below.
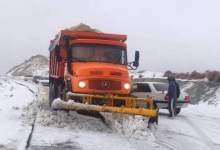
(179, 35)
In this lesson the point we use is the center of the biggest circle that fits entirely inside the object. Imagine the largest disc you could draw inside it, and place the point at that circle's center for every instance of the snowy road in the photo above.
(197, 127)
(188, 131)
(13, 97)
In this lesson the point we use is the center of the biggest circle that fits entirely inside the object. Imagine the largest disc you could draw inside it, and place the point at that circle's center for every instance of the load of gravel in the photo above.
(84, 28)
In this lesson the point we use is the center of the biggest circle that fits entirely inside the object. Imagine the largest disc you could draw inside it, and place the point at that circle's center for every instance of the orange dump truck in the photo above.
(89, 71)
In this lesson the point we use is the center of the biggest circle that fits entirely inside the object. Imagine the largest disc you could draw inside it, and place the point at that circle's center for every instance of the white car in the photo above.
(158, 91)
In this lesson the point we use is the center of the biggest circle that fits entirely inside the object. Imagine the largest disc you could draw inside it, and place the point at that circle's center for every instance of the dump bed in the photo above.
(71, 35)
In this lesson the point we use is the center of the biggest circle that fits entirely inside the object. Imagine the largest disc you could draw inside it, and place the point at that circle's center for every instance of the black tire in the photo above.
(178, 110)
(52, 93)
(156, 118)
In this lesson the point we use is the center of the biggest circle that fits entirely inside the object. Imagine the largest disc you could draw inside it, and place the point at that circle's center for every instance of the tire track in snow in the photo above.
(42, 93)
(32, 91)
(201, 134)
(167, 145)
(181, 136)
(35, 93)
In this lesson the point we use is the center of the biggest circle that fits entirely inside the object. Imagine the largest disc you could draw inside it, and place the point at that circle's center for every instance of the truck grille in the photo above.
(104, 85)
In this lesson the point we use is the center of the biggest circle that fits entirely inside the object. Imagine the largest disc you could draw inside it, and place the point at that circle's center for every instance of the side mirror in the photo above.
(136, 61)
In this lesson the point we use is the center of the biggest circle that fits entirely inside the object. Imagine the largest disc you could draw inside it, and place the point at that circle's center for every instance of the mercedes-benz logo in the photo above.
(105, 84)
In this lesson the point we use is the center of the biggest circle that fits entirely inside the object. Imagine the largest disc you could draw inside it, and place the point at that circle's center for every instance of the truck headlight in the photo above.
(82, 84)
(127, 86)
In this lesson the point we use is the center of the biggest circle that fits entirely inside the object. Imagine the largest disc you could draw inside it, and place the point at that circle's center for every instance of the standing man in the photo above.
(173, 93)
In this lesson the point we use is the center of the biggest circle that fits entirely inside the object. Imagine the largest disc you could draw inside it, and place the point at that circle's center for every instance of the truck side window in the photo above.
(143, 88)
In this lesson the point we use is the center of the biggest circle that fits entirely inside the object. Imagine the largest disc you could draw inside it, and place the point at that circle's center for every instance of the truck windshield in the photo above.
(99, 53)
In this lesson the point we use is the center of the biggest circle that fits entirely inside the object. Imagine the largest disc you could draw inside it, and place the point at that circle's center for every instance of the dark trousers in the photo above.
(172, 107)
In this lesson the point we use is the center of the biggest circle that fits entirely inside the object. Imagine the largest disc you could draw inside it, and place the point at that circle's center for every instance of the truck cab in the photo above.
(89, 72)
(90, 63)
(99, 67)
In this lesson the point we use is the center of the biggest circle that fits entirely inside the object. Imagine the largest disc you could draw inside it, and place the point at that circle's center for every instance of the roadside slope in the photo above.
(13, 98)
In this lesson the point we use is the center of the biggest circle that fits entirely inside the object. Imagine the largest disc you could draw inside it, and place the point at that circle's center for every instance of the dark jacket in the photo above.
(172, 90)
(177, 90)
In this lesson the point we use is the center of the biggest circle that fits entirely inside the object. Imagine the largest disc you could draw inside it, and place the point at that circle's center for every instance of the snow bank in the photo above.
(130, 126)
(68, 128)
(71, 120)
(63, 119)
(208, 98)
(205, 109)
(13, 98)
(43, 72)
(126, 125)
(147, 74)
(185, 87)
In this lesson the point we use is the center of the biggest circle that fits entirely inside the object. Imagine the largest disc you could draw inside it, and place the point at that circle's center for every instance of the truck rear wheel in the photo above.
(52, 93)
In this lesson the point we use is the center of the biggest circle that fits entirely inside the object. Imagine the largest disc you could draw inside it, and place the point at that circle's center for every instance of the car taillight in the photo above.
(186, 98)
(166, 98)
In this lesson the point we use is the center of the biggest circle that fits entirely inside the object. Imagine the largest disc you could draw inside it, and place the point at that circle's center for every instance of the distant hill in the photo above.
(36, 65)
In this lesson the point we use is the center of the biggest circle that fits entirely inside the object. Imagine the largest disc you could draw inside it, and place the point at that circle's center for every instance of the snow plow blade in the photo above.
(129, 106)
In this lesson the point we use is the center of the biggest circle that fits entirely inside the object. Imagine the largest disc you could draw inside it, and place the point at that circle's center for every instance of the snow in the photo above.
(63, 129)
(147, 74)
(186, 87)
(205, 109)
(206, 120)
(130, 126)
(87, 140)
(43, 71)
(196, 127)
(178, 134)
(13, 97)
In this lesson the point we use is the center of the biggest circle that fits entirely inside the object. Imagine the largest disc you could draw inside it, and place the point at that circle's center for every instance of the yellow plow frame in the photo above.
(130, 104)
